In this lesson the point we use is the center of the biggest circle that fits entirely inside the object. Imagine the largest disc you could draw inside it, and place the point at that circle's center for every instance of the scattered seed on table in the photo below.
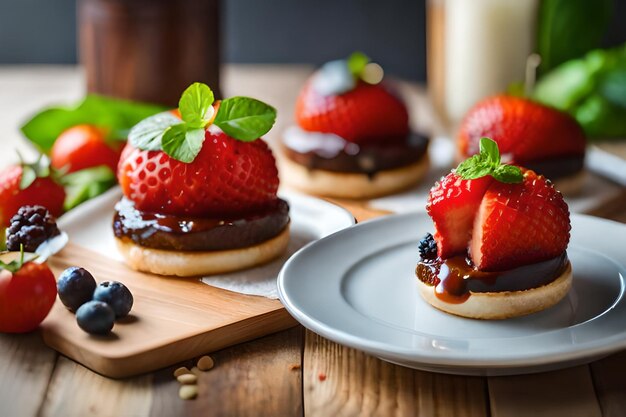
(181, 371)
(322, 376)
(295, 367)
(196, 371)
(205, 363)
(188, 392)
(187, 379)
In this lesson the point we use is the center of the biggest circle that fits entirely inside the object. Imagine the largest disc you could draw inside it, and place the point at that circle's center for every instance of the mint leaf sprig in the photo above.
(242, 118)
(487, 162)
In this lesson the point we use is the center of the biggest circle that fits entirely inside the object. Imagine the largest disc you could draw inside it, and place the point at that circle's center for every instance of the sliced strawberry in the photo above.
(453, 203)
(524, 130)
(365, 114)
(227, 177)
(519, 224)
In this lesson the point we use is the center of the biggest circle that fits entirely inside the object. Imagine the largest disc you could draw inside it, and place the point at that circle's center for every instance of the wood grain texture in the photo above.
(26, 365)
(75, 391)
(609, 378)
(256, 379)
(339, 381)
(172, 320)
(568, 393)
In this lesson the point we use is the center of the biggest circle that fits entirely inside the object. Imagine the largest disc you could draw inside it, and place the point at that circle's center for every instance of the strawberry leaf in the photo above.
(487, 162)
(148, 133)
(38, 169)
(195, 105)
(245, 118)
(182, 143)
(87, 183)
(357, 62)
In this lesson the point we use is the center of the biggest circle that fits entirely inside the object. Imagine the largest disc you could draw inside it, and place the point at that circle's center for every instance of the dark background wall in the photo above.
(303, 31)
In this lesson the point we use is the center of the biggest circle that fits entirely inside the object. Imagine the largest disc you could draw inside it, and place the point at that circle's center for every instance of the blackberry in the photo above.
(31, 226)
(428, 248)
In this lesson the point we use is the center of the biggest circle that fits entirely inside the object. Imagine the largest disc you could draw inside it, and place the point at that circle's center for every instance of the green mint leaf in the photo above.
(148, 133)
(115, 115)
(489, 148)
(475, 167)
(85, 184)
(357, 62)
(487, 162)
(509, 174)
(245, 118)
(195, 105)
(182, 143)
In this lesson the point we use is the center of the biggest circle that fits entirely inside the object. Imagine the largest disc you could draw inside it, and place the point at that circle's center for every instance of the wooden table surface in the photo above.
(291, 373)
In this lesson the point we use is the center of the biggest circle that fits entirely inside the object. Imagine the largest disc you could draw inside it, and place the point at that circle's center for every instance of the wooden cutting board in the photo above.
(173, 319)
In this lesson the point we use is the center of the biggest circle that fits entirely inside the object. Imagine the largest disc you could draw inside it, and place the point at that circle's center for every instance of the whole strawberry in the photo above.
(342, 99)
(186, 166)
(524, 130)
(502, 216)
(227, 176)
(28, 185)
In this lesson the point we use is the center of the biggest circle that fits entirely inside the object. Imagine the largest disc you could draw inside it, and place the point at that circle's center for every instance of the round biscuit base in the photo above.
(189, 264)
(351, 185)
(505, 304)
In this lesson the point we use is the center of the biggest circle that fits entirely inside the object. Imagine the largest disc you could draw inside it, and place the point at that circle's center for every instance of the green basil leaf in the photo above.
(114, 115)
(85, 184)
(182, 143)
(569, 28)
(489, 148)
(195, 103)
(245, 118)
(148, 133)
(357, 62)
(509, 174)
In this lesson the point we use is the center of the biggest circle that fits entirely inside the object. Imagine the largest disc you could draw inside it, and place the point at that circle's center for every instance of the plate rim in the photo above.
(596, 348)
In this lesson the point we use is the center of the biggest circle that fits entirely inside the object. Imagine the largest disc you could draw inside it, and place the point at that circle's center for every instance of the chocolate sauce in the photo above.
(330, 152)
(162, 231)
(556, 168)
(456, 277)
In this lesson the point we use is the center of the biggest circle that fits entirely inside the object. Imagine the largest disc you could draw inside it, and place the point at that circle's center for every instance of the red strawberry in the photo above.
(84, 146)
(43, 191)
(519, 224)
(27, 294)
(453, 203)
(364, 114)
(526, 130)
(227, 177)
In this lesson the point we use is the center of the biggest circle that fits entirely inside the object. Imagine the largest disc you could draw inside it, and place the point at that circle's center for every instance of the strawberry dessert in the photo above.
(499, 247)
(200, 189)
(352, 137)
(529, 134)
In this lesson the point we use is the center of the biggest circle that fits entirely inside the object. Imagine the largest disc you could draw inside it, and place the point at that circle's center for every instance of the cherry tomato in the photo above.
(84, 146)
(26, 297)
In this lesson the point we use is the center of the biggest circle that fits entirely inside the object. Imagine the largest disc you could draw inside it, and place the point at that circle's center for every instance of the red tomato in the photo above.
(26, 297)
(84, 146)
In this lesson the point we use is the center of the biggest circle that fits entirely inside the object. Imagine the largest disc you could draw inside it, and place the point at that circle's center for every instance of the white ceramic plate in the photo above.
(358, 288)
(89, 225)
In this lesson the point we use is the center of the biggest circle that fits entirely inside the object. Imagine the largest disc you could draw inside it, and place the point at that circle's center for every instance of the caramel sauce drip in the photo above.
(456, 278)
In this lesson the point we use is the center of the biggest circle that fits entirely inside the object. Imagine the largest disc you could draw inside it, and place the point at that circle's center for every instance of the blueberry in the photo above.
(75, 286)
(95, 317)
(115, 294)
